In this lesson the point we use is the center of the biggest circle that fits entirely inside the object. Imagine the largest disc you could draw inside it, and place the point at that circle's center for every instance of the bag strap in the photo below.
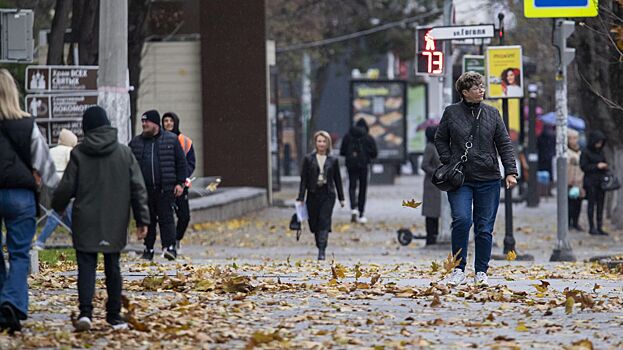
(469, 143)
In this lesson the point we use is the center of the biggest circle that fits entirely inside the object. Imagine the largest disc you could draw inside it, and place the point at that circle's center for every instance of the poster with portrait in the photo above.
(504, 72)
(382, 104)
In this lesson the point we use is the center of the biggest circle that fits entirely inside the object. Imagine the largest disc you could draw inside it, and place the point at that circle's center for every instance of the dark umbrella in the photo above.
(428, 122)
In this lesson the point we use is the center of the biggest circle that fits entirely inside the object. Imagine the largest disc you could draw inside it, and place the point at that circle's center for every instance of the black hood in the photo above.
(359, 130)
(430, 133)
(594, 137)
(100, 141)
(176, 122)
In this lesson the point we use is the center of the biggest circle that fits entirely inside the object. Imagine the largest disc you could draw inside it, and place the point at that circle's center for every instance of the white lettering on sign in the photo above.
(462, 32)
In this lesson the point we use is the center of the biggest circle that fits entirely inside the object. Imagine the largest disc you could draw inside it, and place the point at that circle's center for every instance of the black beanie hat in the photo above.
(152, 115)
(94, 117)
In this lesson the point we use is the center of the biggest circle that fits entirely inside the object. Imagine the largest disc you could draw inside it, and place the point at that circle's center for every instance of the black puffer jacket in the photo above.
(491, 139)
(592, 156)
(168, 161)
(358, 134)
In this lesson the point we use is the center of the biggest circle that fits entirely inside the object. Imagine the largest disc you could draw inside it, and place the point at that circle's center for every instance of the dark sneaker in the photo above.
(10, 319)
(602, 232)
(170, 253)
(84, 323)
(593, 231)
(148, 254)
(117, 322)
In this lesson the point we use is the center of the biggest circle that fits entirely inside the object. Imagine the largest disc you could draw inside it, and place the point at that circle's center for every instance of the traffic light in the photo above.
(562, 30)
(16, 35)
(429, 53)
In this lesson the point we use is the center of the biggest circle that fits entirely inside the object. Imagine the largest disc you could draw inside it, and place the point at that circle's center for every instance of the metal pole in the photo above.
(445, 221)
(306, 99)
(563, 250)
(533, 156)
(113, 79)
(509, 239)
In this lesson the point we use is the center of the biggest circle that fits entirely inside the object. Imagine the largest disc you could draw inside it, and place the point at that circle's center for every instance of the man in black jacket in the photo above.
(359, 148)
(163, 165)
(595, 167)
(478, 128)
(171, 122)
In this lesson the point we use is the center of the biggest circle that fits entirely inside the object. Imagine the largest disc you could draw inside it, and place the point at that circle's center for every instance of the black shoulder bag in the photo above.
(449, 177)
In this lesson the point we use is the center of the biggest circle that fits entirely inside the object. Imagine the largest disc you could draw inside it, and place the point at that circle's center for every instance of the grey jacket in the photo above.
(491, 139)
(104, 178)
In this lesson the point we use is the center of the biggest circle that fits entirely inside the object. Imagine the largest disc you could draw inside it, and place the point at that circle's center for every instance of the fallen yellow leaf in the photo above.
(411, 204)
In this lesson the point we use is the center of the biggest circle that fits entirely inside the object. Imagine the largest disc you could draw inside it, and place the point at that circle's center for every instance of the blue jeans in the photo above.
(52, 223)
(17, 210)
(485, 198)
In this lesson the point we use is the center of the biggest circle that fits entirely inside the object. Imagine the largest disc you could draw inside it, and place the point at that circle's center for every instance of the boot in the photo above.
(322, 238)
(600, 231)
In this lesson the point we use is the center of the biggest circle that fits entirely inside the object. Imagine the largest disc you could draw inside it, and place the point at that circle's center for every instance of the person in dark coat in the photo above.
(477, 127)
(431, 200)
(104, 178)
(25, 164)
(546, 146)
(359, 149)
(163, 164)
(320, 179)
(593, 163)
(171, 122)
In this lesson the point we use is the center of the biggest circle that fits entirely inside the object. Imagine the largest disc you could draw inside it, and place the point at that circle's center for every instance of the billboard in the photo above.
(382, 104)
(416, 114)
(504, 72)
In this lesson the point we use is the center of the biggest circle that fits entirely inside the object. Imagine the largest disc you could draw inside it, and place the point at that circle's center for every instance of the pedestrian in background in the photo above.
(320, 179)
(359, 149)
(171, 122)
(104, 178)
(67, 140)
(593, 163)
(25, 164)
(575, 180)
(431, 200)
(163, 165)
(481, 189)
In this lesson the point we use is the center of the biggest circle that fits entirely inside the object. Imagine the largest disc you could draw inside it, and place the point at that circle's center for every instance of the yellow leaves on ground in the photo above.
(338, 271)
(542, 288)
(200, 280)
(259, 338)
(583, 344)
(569, 305)
(521, 327)
(511, 256)
(451, 262)
(411, 204)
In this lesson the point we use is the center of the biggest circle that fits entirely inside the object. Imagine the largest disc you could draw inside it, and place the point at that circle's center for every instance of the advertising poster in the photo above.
(474, 63)
(382, 104)
(416, 114)
(513, 115)
(504, 72)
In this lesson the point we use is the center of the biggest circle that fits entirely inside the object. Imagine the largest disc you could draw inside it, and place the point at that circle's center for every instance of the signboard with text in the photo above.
(474, 63)
(463, 32)
(382, 104)
(504, 72)
(61, 78)
(560, 8)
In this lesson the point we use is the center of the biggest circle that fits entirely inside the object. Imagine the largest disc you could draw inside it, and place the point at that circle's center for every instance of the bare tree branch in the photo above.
(606, 100)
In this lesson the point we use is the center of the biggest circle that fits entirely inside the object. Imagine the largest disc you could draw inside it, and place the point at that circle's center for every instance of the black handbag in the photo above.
(610, 182)
(295, 225)
(449, 177)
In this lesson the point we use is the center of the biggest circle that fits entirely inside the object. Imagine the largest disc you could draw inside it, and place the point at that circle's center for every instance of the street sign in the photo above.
(560, 8)
(504, 72)
(61, 78)
(59, 106)
(16, 35)
(463, 32)
(429, 53)
(474, 63)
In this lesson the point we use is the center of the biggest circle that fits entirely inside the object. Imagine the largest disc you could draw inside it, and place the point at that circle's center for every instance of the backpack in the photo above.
(356, 153)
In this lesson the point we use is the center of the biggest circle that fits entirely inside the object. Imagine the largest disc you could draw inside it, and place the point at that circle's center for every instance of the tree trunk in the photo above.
(85, 30)
(60, 22)
(138, 13)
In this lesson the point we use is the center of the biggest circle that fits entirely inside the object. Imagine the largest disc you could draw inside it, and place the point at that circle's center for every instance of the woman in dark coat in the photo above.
(593, 163)
(431, 206)
(320, 178)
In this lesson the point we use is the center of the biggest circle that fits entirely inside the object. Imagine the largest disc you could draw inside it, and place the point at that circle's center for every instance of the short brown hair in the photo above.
(468, 80)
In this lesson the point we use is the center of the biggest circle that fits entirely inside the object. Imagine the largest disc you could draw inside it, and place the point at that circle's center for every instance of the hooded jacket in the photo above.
(358, 133)
(67, 140)
(590, 157)
(490, 139)
(105, 179)
(190, 154)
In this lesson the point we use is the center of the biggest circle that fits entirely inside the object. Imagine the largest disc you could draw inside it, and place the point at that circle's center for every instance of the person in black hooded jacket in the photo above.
(359, 149)
(593, 163)
(171, 122)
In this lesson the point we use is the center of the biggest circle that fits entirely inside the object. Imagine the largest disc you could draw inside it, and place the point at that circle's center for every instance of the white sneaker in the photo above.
(362, 220)
(354, 214)
(481, 279)
(83, 324)
(456, 278)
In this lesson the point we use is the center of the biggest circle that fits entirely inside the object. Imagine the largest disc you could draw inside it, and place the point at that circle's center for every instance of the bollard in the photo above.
(34, 262)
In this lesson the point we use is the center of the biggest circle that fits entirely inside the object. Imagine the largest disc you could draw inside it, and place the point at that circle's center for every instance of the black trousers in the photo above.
(320, 209)
(358, 175)
(161, 205)
(595, 196)
(182, 211)
(575, 207)
(87, 262)
(432, 227)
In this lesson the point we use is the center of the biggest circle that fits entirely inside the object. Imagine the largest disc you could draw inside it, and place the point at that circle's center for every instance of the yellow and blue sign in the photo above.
(560, 8)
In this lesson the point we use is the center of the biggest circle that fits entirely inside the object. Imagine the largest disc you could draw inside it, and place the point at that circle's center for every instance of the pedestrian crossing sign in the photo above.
(560, 8)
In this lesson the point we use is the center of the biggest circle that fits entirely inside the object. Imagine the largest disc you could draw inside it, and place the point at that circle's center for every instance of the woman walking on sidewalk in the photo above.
(431, 204)
(594, 165)
(320, 178)
(476, 125)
